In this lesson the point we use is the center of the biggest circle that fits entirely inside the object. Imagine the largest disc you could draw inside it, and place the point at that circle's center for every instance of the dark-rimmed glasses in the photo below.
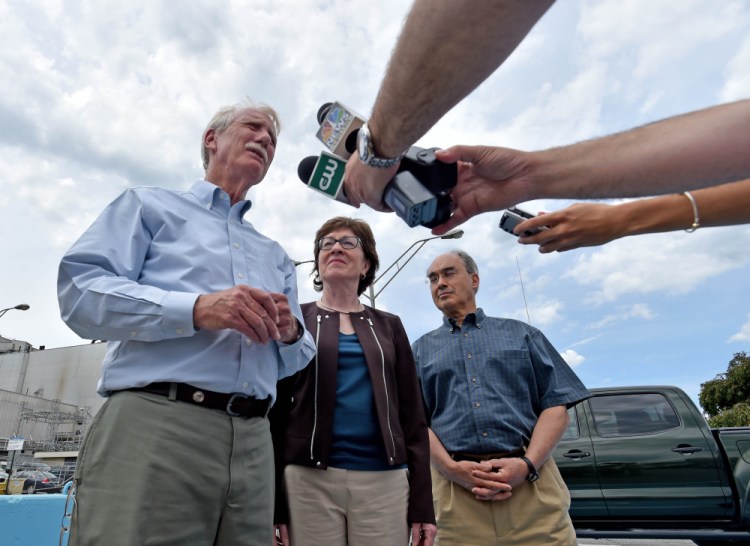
(447, 273)
(349, 242)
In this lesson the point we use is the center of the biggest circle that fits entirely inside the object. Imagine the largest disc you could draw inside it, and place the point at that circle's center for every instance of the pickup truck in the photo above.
(642, 462)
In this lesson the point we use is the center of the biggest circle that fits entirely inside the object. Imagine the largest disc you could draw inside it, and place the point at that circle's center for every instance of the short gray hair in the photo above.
(469, 263)
(227, 114)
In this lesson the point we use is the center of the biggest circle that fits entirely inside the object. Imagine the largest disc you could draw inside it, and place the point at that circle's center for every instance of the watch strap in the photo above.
(533, 474)
(366, 151)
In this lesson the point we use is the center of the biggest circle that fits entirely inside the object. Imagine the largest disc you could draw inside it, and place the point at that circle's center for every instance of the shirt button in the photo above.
(244, 385)
(466, 335)
(241, 275)
(484, 434)
(133, 333)
(236, 245)
(248, 341)
(473, 379)
(468, 355)
(477, 404)
(179, 330)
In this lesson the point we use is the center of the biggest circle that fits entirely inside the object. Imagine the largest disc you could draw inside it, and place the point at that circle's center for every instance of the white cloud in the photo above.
(674, 263)
(585, 341)
(737, 85)
(636, 310)
(546, 312)
(744, 333)
(572, 358)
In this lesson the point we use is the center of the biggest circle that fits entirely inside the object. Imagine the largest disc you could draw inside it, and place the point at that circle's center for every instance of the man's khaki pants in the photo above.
(535, 515)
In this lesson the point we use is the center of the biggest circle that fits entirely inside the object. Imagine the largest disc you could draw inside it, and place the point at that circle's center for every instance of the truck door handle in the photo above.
(576, 454)
(686, 449)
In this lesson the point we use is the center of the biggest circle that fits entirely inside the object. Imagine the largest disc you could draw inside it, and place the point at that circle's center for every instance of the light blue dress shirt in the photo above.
(134, 276)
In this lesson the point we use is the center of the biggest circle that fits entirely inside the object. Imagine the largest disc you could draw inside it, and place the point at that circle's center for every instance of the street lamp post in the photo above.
(19, 307)
(372, 294)
(414, 248)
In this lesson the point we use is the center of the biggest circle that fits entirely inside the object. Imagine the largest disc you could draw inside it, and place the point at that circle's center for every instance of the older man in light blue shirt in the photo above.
(201, 314)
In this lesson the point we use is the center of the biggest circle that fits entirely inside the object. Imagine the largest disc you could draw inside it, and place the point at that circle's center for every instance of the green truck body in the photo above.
(643, 462)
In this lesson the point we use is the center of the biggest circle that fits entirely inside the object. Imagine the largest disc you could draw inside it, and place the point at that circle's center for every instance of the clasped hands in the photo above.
(490, 480)
(257, 314)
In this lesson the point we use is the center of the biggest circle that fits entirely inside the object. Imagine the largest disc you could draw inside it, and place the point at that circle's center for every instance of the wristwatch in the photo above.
(533, 474)
(367, 152)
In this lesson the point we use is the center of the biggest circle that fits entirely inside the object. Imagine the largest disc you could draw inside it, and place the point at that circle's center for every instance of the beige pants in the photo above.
(157, 472)
(535, 515)
(336, 507)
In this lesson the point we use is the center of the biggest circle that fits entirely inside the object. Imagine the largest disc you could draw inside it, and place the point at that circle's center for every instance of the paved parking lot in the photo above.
(632, 542)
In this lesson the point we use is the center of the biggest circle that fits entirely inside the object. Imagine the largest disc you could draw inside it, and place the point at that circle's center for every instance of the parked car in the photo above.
(642, 462)
(35, 481)
(3, 481)
(63, 473)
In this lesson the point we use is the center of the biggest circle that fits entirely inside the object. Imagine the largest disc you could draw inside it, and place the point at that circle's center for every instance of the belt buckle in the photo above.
(232, 398)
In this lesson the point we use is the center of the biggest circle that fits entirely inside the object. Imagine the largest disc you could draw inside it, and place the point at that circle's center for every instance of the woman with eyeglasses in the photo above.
(350, 436)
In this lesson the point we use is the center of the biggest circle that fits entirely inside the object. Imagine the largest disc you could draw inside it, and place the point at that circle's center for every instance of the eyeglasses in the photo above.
(349, 242)
(447, 273)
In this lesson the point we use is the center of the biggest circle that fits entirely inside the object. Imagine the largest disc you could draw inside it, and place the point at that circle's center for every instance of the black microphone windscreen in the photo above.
(306, 168)
(323, 112)
(351, 141)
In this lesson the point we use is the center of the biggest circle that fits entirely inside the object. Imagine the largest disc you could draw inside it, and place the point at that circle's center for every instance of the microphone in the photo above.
(338, 128)
(324, 174)
(419, 193)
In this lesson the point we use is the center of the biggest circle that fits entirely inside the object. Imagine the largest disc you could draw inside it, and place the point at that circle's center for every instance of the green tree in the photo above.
(726, 398)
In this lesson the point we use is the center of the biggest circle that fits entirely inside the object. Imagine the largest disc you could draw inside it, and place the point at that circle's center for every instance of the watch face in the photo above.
(363, 144)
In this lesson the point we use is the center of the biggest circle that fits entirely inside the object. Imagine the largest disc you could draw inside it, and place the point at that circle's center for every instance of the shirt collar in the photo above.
(212, 196)
(476, 319)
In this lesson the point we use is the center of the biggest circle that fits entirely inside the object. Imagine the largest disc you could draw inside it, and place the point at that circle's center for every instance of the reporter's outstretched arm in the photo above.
(694, 150)
(593, 224)
(445, 50)
(700, 149)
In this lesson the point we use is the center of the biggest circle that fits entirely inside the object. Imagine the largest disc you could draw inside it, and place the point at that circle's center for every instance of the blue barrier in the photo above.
(33, 520)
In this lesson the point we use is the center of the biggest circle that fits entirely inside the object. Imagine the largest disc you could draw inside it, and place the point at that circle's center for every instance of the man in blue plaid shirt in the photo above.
(496, 394)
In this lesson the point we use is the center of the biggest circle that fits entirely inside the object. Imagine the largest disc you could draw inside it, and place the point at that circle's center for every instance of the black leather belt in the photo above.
(234, 404)
(481, 457)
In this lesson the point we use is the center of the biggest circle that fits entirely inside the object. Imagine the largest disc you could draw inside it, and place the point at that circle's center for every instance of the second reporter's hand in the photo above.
(581, 224)
(489, 178)
(364, 184)
(250, 311)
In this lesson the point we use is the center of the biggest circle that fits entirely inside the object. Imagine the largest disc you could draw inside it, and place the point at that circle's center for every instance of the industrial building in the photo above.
(48, 398)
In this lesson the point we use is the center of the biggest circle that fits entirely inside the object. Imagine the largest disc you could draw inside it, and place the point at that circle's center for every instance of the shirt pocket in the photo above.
(509, 372)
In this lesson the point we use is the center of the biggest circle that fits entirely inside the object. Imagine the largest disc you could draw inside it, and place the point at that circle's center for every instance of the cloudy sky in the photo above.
(99, 96)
